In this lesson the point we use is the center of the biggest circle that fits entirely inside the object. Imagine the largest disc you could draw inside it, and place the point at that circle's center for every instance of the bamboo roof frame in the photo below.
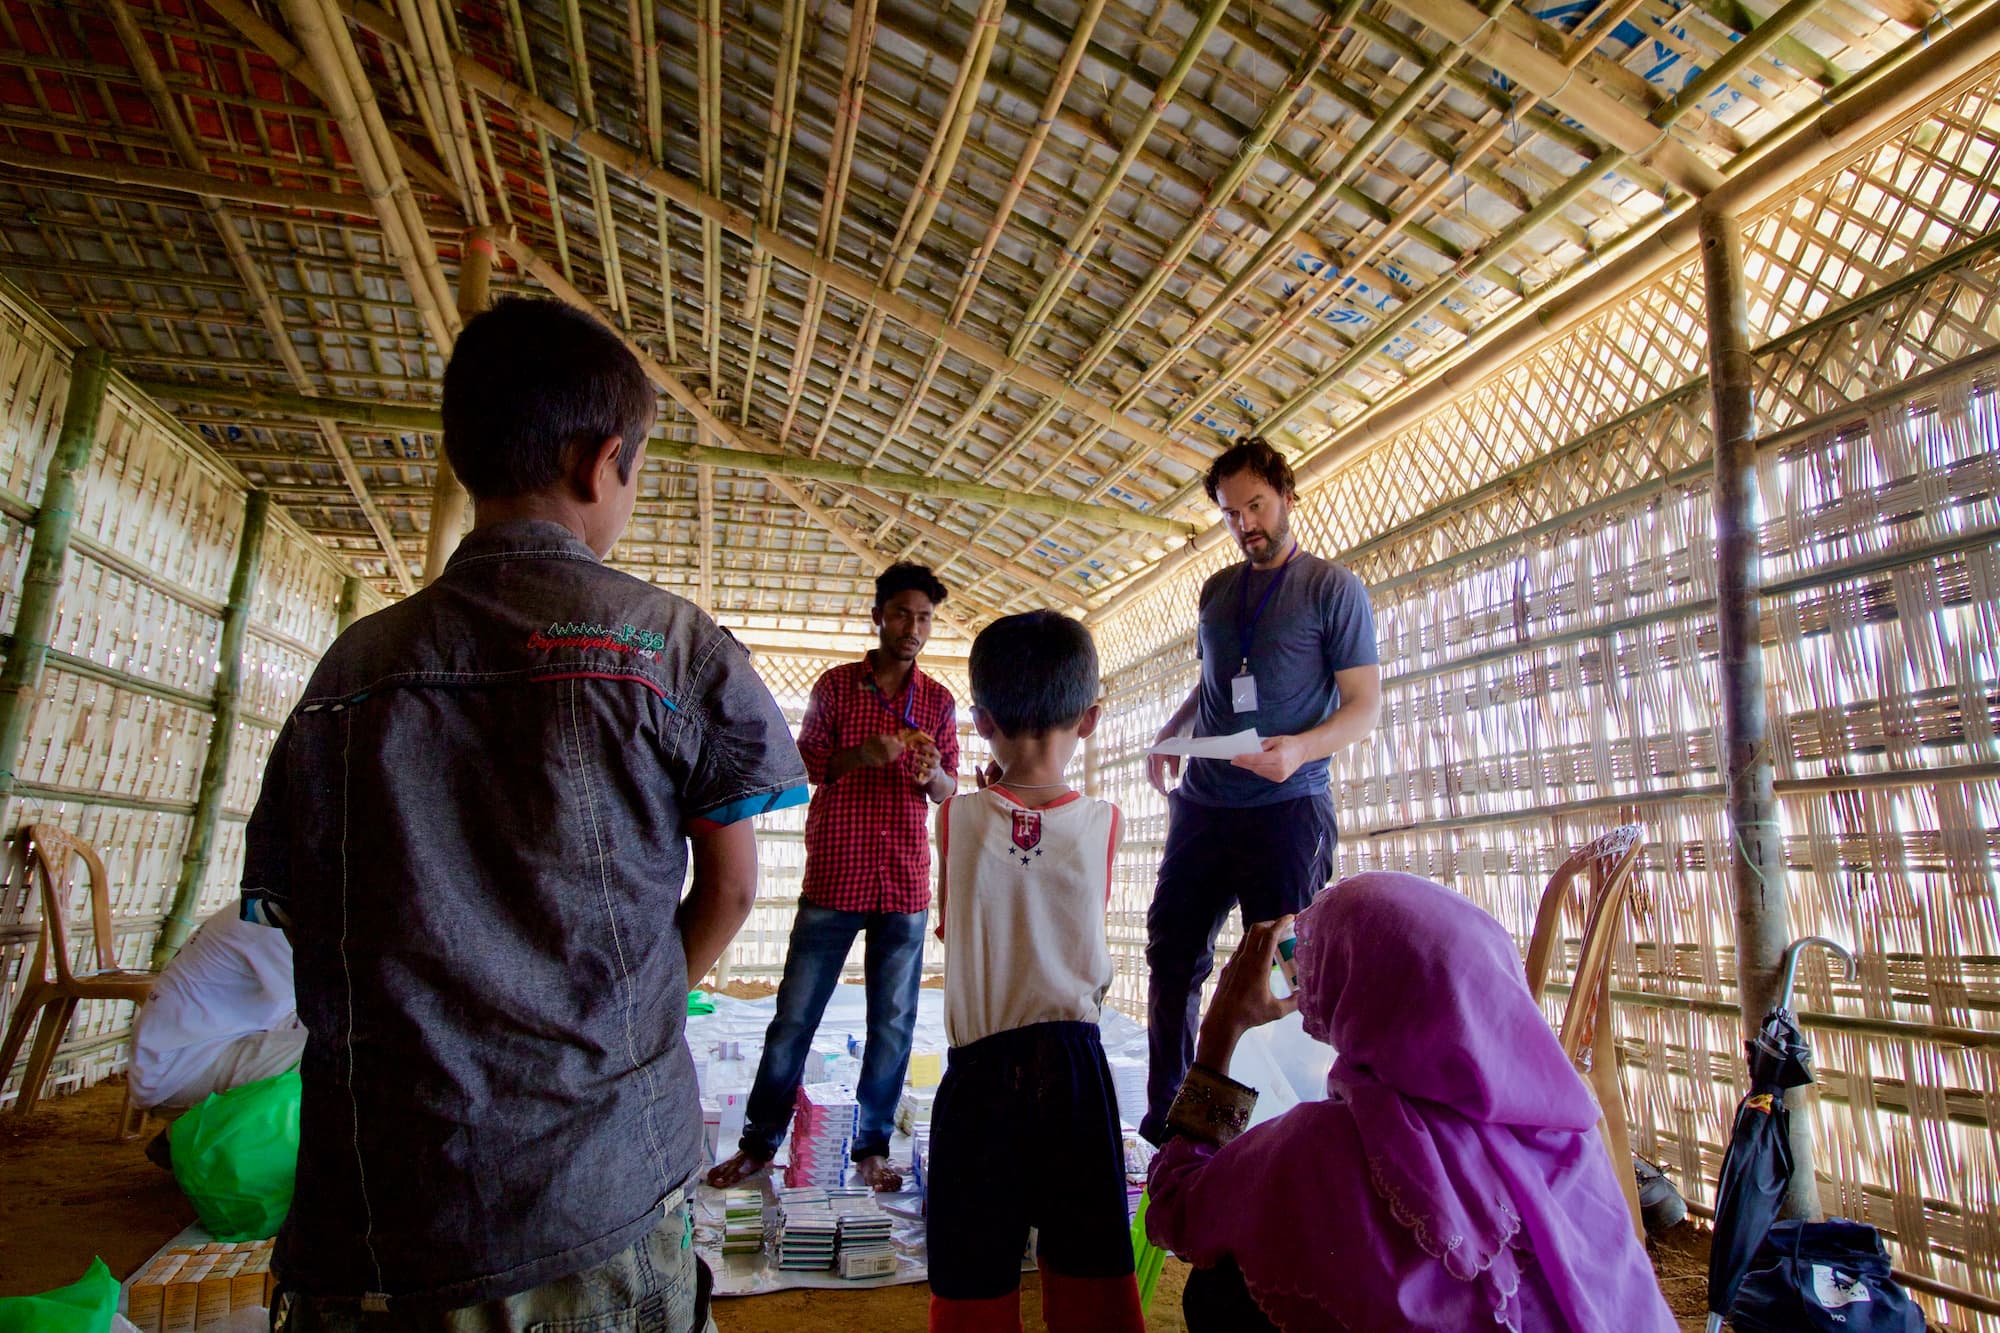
(801, 205)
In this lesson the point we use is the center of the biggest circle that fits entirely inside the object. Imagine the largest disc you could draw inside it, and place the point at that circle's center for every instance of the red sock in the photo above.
(995, 1314)
(1088, 1304)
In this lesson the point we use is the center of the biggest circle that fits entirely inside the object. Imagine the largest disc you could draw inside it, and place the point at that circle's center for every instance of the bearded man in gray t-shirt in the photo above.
(1287, 645)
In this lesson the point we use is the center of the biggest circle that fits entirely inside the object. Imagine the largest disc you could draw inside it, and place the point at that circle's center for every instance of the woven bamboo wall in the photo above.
(121, 724)
(1540, 556)
(758, 951)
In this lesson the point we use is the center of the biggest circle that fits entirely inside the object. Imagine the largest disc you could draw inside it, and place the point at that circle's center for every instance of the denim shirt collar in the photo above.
(520, 537)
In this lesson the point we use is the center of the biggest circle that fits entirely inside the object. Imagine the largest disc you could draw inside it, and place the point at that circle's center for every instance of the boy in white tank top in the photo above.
(1025, 1128)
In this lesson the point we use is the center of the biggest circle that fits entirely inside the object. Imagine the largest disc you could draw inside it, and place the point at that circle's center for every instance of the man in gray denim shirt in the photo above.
(474, 828)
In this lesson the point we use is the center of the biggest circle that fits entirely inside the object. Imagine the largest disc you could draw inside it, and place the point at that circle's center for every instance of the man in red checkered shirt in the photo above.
(880, 739)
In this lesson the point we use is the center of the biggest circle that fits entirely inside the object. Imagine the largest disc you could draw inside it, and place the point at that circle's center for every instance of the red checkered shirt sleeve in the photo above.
(868, 834)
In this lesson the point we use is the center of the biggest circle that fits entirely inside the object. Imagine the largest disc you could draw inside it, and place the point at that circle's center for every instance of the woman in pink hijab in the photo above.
(1453, 1179)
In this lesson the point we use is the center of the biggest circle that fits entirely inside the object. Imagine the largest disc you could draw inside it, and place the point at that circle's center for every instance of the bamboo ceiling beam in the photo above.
(708, 49)
(524, 60)
(178, 181)
(771, 186)
(600, 188)
(705, 538)
(319, 35)
(1544, 75)
(1901, 83)
(1073, 52)
(257, 292)
(743, 452)
(834, 524)
(833, 199)
(1083, 236)
(634, 167)
(932, 180)
(293, 63)
(1276, 112)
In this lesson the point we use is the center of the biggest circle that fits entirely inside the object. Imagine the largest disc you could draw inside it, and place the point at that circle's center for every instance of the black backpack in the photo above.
(1826, 1277)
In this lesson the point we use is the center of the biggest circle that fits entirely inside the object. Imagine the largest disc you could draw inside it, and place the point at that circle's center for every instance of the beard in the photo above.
(1268, 545)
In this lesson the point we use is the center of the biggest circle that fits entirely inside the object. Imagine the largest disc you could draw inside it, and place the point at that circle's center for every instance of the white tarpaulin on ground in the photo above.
(1281, 1061)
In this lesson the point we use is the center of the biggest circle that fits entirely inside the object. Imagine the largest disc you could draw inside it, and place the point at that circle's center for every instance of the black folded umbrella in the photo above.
(1758, 1166)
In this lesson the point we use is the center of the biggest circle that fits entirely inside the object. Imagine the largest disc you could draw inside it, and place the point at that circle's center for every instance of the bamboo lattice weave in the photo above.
(120, 725)
(1540, 554)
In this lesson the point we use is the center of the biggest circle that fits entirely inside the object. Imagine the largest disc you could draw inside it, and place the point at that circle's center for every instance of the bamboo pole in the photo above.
(41, 582)
(524, 57)
(1901, 83)
(423, 71)
(349, 609)
(709, 44)
(448, 498)
(1757, 852)
(186, 182)
(600, 189)
(318, 39)
(704, 483)
(1073, 53)
(932, 180)
(744, 452)
(390, 417)
(180, 922)
(1084, 234)
(436, 293)
(833, 203)
(452, 103)
(835, 525)
(771, 197)
(1595, 107)
(268, 311)
(633, 166)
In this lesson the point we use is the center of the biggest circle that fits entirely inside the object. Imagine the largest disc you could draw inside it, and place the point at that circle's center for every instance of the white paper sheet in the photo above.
(1212, 747)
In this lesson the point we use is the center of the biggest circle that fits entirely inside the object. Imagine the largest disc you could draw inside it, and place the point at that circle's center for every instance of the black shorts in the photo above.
(1025, 1133)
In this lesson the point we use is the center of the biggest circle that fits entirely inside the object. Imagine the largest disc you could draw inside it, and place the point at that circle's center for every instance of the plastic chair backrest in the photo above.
(1610, 861)
(51, 854)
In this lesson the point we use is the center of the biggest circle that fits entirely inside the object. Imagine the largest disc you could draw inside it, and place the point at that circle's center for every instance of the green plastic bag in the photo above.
(1148, 1259)
(84, 1306)
(699, 1003)
(236, 1155)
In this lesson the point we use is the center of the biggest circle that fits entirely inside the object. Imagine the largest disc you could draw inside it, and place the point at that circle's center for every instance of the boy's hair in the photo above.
(1034, 672)
(530, 380)
(907, 576)
(1252, 454)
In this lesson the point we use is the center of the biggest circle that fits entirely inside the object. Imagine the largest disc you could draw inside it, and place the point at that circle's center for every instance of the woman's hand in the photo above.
(1243, 997)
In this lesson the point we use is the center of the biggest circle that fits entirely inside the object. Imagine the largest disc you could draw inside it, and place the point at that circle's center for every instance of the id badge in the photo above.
(1243, 692)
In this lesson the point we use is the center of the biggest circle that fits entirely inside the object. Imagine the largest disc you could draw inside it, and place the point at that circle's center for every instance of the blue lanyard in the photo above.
(909, 714)
(1244, 632)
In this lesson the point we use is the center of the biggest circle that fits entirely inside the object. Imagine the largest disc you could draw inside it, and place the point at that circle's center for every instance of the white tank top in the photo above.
(1025, 897)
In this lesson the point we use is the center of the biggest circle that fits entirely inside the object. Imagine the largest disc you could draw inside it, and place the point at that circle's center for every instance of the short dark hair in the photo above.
(1252, 453)
(907, 576)
(1034, 672)
(530, 380)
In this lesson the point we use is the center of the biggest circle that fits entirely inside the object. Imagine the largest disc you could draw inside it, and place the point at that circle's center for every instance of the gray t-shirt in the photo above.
(1317, 622)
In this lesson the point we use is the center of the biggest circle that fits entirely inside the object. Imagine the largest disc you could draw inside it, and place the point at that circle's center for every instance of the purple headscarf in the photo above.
(1453, 1102)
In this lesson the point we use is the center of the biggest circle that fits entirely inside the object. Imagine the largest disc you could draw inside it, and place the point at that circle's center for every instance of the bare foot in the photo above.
(878, 1175)
(736, 1170)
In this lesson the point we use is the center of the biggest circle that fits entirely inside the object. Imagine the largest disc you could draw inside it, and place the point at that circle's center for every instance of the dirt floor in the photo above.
(69, 1190)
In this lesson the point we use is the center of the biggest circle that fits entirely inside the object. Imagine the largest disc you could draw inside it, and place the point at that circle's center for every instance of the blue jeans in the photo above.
(894, 968)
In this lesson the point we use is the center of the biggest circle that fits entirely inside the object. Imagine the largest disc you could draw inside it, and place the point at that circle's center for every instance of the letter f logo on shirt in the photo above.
(1027, 829)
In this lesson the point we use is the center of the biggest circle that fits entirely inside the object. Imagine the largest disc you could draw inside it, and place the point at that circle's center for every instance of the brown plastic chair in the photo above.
(48, 987)
(1585, 1032)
